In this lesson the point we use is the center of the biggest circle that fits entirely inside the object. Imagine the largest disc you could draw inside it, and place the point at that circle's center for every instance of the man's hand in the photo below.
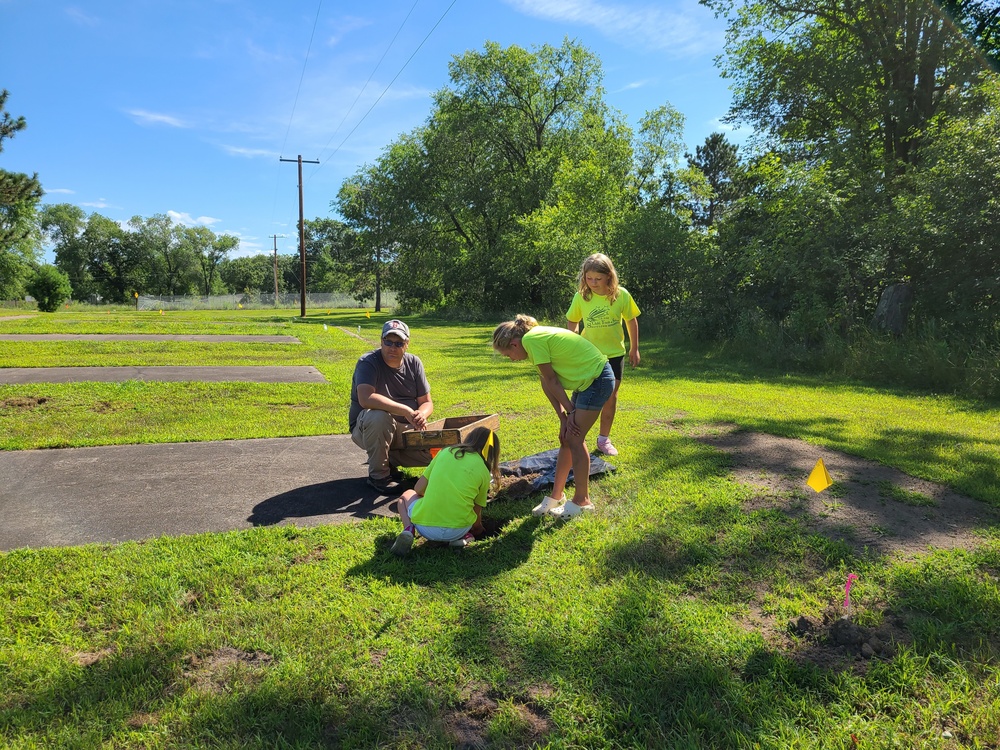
(417, 420)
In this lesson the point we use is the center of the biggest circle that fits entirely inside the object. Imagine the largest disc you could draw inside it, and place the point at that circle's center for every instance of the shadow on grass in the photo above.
(506, 546)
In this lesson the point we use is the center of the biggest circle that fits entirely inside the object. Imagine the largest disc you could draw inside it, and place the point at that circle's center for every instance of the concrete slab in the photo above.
(22, 375)
(71, 496)
(206, 338)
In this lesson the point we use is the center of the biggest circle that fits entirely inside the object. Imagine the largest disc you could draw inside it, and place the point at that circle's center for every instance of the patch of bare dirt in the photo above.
(22, 402)
(103, 407)
(871, 507)
(89, 658)
(515, 488)
(213, 672)
(316, 554)
(467, 725)
(832, 642)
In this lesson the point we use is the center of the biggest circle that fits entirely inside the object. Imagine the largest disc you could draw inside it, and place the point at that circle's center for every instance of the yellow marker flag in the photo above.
(819, 480)
(367, 314)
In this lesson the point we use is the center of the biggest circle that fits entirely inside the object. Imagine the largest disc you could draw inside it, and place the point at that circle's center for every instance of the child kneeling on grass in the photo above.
(446, 504)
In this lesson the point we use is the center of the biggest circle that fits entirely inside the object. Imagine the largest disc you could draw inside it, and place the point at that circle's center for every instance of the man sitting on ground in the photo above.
(389, 394)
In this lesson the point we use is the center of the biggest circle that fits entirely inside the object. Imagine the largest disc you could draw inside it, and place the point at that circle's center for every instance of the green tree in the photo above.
(62, 226)
(50, 287)
(449, 198)
(117, 262)
(331, 255)
(209, 250)
(718, 161)
(19, 198)
(173, 268)
(853, 80)
(249, 273)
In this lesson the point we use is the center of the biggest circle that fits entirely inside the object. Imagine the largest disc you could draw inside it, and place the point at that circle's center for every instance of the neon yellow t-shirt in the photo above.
(574, 359)
(602, 320)
(454, 486)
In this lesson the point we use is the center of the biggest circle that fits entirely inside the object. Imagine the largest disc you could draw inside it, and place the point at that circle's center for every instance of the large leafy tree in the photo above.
(209, 251)
(19, 198)
(331, 256)
(450, 198)
(118, 263)
(852, 79)
(62, 226)
(174, 269)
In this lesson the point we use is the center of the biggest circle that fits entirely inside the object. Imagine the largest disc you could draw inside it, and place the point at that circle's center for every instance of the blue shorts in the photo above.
(594, 398)
(438, 533)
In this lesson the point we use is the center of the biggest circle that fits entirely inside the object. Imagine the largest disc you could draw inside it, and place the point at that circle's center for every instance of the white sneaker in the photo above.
(605, 447)
(547, 504)
(569, 509)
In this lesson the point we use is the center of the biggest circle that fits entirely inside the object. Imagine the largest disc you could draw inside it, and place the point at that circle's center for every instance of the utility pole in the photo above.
(275, 238)
(302, 229)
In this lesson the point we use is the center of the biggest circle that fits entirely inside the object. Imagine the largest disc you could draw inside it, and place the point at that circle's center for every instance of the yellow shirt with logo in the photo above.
(602, 320)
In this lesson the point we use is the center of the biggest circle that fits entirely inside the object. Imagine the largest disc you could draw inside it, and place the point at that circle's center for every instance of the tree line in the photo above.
(873, 167)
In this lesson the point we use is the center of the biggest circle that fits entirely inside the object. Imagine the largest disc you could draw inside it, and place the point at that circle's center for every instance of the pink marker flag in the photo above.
(847, 590)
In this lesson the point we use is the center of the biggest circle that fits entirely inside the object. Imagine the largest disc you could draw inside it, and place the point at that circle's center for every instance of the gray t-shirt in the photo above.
(404, 385)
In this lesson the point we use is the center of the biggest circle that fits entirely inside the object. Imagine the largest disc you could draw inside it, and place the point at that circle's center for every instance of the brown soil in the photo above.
(873, 508)
(515, 488)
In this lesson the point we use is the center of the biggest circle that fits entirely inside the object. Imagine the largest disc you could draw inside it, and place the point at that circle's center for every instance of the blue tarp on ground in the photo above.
(544, 464)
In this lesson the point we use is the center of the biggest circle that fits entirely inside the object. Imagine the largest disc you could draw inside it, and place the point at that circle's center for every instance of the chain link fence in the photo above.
(251, 301)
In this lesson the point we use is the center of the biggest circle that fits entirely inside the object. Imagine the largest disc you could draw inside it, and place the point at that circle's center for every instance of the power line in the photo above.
(295, 102)
(372, 75)
(386, 90)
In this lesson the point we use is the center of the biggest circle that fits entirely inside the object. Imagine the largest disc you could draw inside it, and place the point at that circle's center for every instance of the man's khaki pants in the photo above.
(378, 433)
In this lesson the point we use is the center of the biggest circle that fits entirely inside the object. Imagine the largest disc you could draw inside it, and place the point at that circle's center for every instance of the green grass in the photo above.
(659, 622)
(888, 490)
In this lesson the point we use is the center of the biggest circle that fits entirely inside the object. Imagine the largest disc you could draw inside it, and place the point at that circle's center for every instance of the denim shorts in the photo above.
(594, 398)
(438, 533)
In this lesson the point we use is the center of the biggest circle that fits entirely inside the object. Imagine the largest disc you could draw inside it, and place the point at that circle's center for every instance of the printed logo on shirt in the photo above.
(600, 318)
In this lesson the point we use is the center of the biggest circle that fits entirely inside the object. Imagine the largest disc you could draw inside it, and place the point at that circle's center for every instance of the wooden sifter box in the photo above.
(449, 431)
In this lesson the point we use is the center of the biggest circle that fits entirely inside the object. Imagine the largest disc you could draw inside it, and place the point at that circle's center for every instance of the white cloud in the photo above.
(80, 17)
(635, 85)
(683, 29)
(100, 203)
(189, 221)
(250, 152)
(344, 26)
(143, 117)
(62, 191)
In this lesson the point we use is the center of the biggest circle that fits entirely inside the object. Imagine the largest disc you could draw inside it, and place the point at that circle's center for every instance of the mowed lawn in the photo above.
(662, 621)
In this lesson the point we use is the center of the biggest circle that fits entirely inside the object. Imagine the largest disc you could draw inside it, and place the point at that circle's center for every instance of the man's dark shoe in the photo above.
(385, 485)
(396, 475)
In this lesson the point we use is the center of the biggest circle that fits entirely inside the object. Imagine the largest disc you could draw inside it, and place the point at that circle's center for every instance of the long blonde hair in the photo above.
(504, 333)
(599, 263)
(486, 443)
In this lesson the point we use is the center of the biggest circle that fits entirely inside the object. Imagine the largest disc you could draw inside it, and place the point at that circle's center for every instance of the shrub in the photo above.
(50, 287)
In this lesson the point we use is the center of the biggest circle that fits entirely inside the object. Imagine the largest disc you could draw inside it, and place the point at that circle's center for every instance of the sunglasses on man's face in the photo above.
(393, 343)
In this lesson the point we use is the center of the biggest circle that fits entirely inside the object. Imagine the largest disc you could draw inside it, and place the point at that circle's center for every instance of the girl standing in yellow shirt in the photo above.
(601, 305)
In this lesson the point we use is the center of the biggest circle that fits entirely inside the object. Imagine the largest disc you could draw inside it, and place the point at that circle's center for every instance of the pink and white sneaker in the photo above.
(604, 446)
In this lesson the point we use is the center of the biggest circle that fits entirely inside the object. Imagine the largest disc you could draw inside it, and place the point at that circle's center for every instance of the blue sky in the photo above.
(183, 107)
